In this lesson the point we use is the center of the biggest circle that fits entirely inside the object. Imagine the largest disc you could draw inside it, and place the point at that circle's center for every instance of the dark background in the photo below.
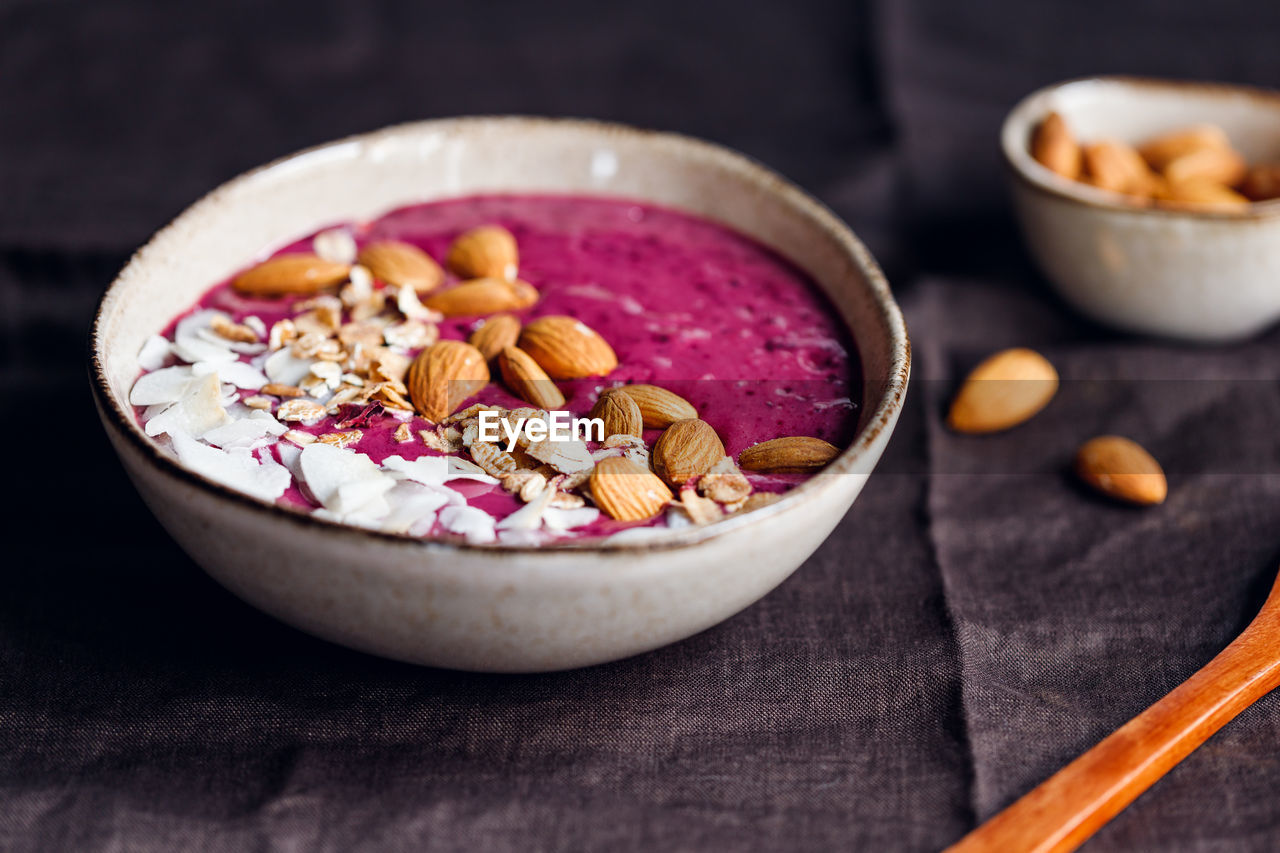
(955, 641)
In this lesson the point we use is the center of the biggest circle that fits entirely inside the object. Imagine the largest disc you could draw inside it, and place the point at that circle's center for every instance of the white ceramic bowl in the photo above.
(490, 608)
(1201, 276)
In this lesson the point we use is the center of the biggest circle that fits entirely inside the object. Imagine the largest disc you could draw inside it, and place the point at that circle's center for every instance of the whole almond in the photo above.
(402, 264)
(567, 348)
(443, 375)
(496, 334)
(291, 274)
(1122, 469)
(1201, 195)
(485, 252)
(793, 454)
(1164, 149)
(1216, 165)
(1262, 182)
(626, 491)
(688, 448)
(481, 296)
(1003, 391)
(1117, 167)
(527, 380)
(1055, 148)
(620, 414)
(659, 408)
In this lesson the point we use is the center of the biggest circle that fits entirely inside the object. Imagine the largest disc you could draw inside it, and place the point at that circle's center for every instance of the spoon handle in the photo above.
(1075, 802)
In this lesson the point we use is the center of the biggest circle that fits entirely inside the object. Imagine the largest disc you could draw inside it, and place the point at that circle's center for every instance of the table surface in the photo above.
(974, 622)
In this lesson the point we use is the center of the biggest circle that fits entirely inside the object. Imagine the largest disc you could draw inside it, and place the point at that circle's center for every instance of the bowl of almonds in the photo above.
(501, 394)
(1153, 206)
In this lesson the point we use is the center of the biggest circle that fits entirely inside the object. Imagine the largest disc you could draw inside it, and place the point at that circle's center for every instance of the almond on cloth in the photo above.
(485, 252)
(1121, 468)
(1055, 148)
(659, 408)
(795, 454)
(567, 348)
(443, 375)
(402, 264)
(626, 491)
(620, 414)
(527, 380)
(688, 448)
(1003, 391)
(291, 274)
(495, 334)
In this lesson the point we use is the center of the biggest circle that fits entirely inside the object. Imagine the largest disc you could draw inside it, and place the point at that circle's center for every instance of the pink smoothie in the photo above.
(686, 303)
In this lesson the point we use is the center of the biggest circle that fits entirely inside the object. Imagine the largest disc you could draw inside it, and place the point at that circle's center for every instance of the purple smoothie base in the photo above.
(687, 304)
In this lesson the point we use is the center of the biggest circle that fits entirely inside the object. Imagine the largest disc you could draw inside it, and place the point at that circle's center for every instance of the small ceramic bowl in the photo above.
(491, 608)
(1200, 276)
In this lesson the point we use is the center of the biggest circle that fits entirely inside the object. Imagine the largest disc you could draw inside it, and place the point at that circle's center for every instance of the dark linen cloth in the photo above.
(976, 621)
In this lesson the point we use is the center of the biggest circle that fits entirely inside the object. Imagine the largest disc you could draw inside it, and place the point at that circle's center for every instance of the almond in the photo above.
(1117, 167)
(567, 348)
(402, 264)
(688, 448)
(482, 296)
(496, 334)
(627, 492)
(1202, 195)
(1053, 146)
(1122, 469)
(794, 454)
(620, 414)
(1216, 165)
(443, 375)
(1262, 183)
(290, 274)
(485, 252)
(1164, 149)
(659, 407)
(1003, 391)
(527, 380)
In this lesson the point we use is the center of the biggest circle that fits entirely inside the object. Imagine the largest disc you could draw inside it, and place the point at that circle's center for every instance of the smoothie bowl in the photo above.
(501, 394)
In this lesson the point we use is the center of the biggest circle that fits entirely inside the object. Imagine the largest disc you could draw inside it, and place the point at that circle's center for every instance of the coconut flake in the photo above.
(237, 373)
(238, 469)
(246, 431)
(199, 410)
(281, 367)
(155, 350)
(335, 245)
(561, 520)
(428, 470)
(463, 469)
(475, 524)
(412, 506)
(342, 481)
(529, 516)
(165, 385)
(567, 457)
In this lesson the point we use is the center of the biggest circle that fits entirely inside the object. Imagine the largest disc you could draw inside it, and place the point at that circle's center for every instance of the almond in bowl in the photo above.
(362, 444)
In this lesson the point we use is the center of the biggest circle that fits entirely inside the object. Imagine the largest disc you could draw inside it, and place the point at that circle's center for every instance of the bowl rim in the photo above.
(1018, 121)
(881, 417)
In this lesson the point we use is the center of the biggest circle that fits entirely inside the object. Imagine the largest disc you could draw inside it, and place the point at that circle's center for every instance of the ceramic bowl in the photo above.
(1200, 276)
(490, 608)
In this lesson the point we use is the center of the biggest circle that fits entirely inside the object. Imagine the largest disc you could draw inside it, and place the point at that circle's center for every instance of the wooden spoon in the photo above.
(1075, 802)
